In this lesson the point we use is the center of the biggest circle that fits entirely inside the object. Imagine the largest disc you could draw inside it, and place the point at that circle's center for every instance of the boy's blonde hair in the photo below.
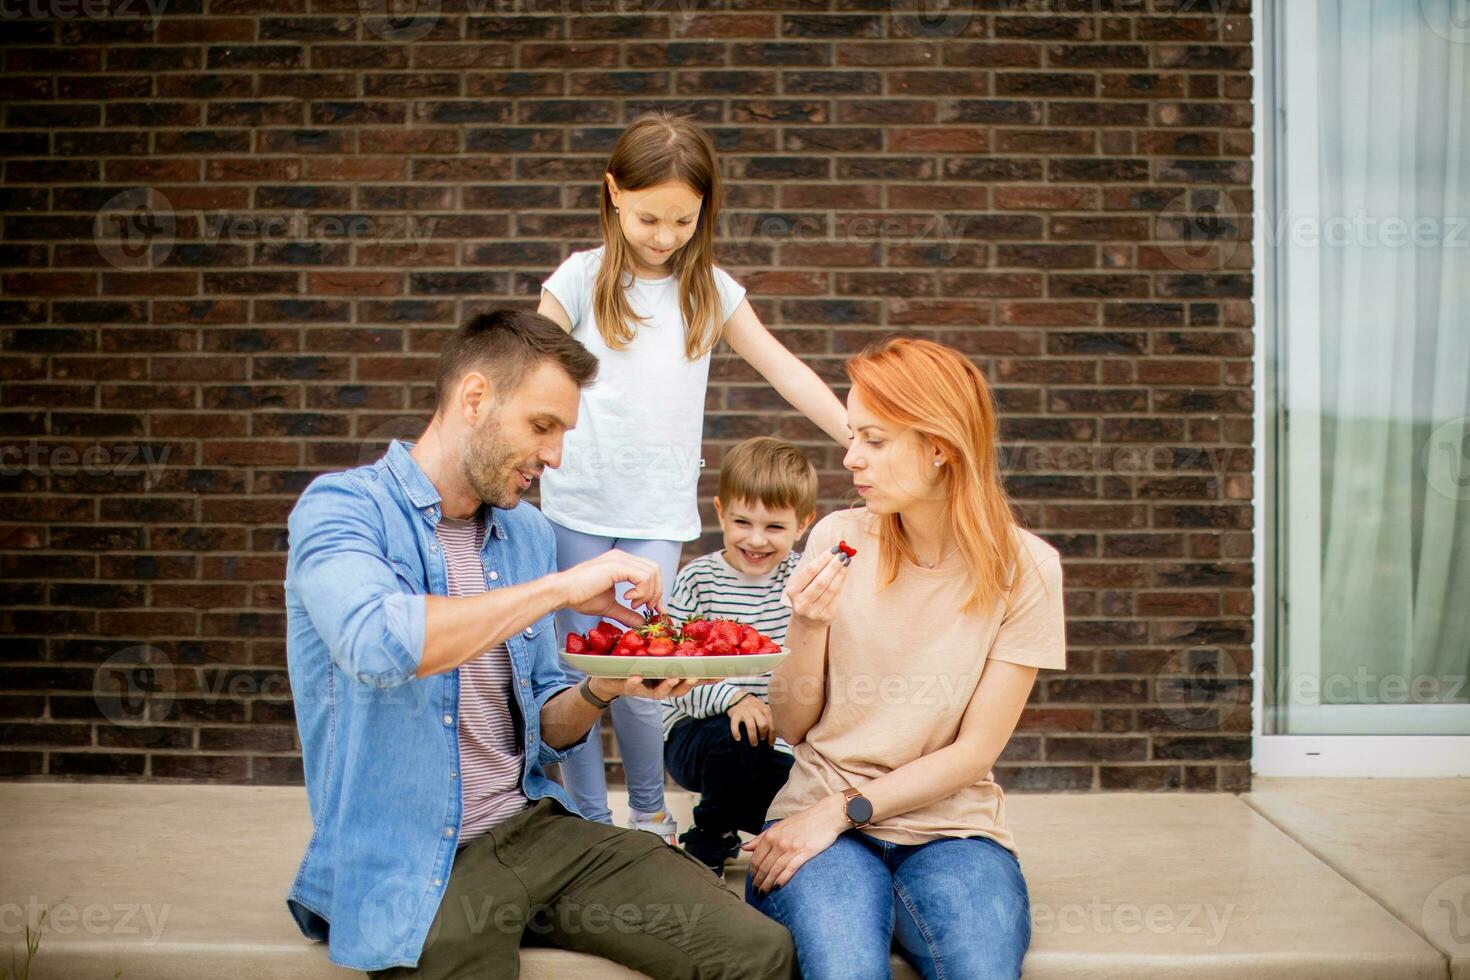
(769, 472)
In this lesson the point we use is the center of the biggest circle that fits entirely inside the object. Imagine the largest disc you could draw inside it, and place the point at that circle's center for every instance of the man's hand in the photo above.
(591, 587)
(655, 688)
(755, 715)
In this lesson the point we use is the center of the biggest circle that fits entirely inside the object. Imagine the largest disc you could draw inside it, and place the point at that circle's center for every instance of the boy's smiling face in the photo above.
(758, 538)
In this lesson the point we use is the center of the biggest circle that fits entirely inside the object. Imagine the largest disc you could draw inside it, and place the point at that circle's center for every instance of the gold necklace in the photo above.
(931, 564)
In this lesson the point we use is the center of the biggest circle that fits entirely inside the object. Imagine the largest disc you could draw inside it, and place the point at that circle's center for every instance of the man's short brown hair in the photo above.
(507, 345)
(769, 472)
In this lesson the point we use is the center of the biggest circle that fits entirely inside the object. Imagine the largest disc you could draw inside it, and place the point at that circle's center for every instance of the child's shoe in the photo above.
(712, 849)
(660, 823)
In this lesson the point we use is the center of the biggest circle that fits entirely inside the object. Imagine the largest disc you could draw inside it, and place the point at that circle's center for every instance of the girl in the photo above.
(908, 671)
(650, 303)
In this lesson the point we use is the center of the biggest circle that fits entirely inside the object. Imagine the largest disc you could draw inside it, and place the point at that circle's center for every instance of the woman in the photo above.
(908, 669)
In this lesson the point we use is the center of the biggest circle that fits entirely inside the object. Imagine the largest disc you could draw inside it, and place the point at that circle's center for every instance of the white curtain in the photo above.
(1394, 137)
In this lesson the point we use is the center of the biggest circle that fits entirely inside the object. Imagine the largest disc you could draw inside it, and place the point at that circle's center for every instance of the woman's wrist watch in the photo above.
(858, 810)
(586, 690)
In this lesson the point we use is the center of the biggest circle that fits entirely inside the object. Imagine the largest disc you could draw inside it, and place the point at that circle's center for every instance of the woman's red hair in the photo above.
(936, 391)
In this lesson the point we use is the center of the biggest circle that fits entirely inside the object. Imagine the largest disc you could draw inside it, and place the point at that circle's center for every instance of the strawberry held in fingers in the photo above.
(846, 549)
(658, 624)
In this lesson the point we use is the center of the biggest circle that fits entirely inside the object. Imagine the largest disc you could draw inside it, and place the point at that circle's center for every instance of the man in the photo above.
(420, 594)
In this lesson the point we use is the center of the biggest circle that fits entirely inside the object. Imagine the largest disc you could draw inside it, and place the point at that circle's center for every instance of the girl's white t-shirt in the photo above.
(630, 468)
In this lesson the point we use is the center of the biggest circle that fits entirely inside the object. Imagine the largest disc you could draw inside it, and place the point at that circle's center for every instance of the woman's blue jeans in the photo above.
(956, 908)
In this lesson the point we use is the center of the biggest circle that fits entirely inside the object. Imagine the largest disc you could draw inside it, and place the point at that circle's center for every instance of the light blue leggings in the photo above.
(637, 722)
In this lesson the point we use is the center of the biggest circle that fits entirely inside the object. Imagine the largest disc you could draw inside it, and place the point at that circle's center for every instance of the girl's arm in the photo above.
(552, 309)
(989, 720)
(795, 382)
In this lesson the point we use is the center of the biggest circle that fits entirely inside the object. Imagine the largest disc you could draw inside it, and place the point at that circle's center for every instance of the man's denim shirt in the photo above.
(381, 746)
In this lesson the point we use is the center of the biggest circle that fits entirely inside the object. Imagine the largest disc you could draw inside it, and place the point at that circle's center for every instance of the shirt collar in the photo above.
(420, 489)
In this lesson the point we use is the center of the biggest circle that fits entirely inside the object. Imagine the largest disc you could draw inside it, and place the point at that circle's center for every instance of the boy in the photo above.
(718, 739)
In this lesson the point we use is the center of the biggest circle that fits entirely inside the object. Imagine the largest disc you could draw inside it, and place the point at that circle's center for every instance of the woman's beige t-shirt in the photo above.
(902, 665)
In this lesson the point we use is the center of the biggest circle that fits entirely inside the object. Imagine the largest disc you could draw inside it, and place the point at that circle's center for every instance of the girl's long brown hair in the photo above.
(660, 147)
(938, 392)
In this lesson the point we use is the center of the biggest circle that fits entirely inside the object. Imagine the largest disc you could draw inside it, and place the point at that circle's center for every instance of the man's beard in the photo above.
(487, 464)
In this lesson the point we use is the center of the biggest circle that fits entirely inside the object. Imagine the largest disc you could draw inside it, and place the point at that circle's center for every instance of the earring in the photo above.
(938, 462)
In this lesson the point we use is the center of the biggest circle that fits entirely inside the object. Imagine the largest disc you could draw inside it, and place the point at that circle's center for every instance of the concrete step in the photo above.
(179, 882)
(1405, 842)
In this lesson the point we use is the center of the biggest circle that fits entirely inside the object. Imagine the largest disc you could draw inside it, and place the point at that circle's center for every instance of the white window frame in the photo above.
(1377, 755)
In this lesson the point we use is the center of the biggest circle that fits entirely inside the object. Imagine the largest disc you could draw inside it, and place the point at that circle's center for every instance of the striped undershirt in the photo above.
(490, 753)
(711, 587)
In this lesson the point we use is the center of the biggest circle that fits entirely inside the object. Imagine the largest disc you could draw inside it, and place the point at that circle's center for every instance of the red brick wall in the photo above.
(1022, 180)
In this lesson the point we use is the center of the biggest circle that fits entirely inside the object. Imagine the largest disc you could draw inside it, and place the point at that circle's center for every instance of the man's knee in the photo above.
(772, 951)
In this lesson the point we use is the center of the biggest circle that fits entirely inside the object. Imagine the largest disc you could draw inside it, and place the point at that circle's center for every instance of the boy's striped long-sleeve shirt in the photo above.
(710, 587)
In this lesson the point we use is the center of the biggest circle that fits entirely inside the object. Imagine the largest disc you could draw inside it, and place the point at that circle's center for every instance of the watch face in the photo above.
(859, 810)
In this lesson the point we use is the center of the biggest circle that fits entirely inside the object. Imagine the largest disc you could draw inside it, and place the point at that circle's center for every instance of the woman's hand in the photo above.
(813, 590)
(781, 849)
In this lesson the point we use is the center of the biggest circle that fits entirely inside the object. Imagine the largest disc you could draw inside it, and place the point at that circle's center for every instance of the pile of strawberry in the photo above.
(659, 637)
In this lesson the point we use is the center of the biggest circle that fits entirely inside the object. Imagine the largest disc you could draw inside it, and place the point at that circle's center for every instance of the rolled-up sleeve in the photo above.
(339, 570)
(548, 676)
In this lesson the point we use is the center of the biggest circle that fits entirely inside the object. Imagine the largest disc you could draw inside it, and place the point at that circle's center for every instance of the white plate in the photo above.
(743, 665)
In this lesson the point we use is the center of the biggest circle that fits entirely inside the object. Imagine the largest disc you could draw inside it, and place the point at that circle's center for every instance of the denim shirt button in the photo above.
(449, 719)
(448, 831)
(453, 774)
(530, 630)
(494, 576)
(438, 881)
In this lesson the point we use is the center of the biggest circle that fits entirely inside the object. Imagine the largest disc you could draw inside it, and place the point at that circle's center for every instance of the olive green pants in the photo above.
(547, 878)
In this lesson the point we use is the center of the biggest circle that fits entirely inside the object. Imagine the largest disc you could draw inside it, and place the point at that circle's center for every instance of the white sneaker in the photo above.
(660, 823)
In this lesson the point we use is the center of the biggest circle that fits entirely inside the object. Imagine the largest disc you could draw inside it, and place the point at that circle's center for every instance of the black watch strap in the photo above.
(586, 690)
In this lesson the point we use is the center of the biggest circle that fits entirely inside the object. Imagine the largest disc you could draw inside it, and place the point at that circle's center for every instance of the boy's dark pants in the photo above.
(545, 877)
(736, 780)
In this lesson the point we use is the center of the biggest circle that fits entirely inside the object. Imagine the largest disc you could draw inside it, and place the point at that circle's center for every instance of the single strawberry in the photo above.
(697, 629)
(599, 642)
(727, 631)
(768, 645)
(686, 648)
(846, 548)
(660, 646)
(576, 643)
(718, 647)
(630, 644)
(750, 640)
